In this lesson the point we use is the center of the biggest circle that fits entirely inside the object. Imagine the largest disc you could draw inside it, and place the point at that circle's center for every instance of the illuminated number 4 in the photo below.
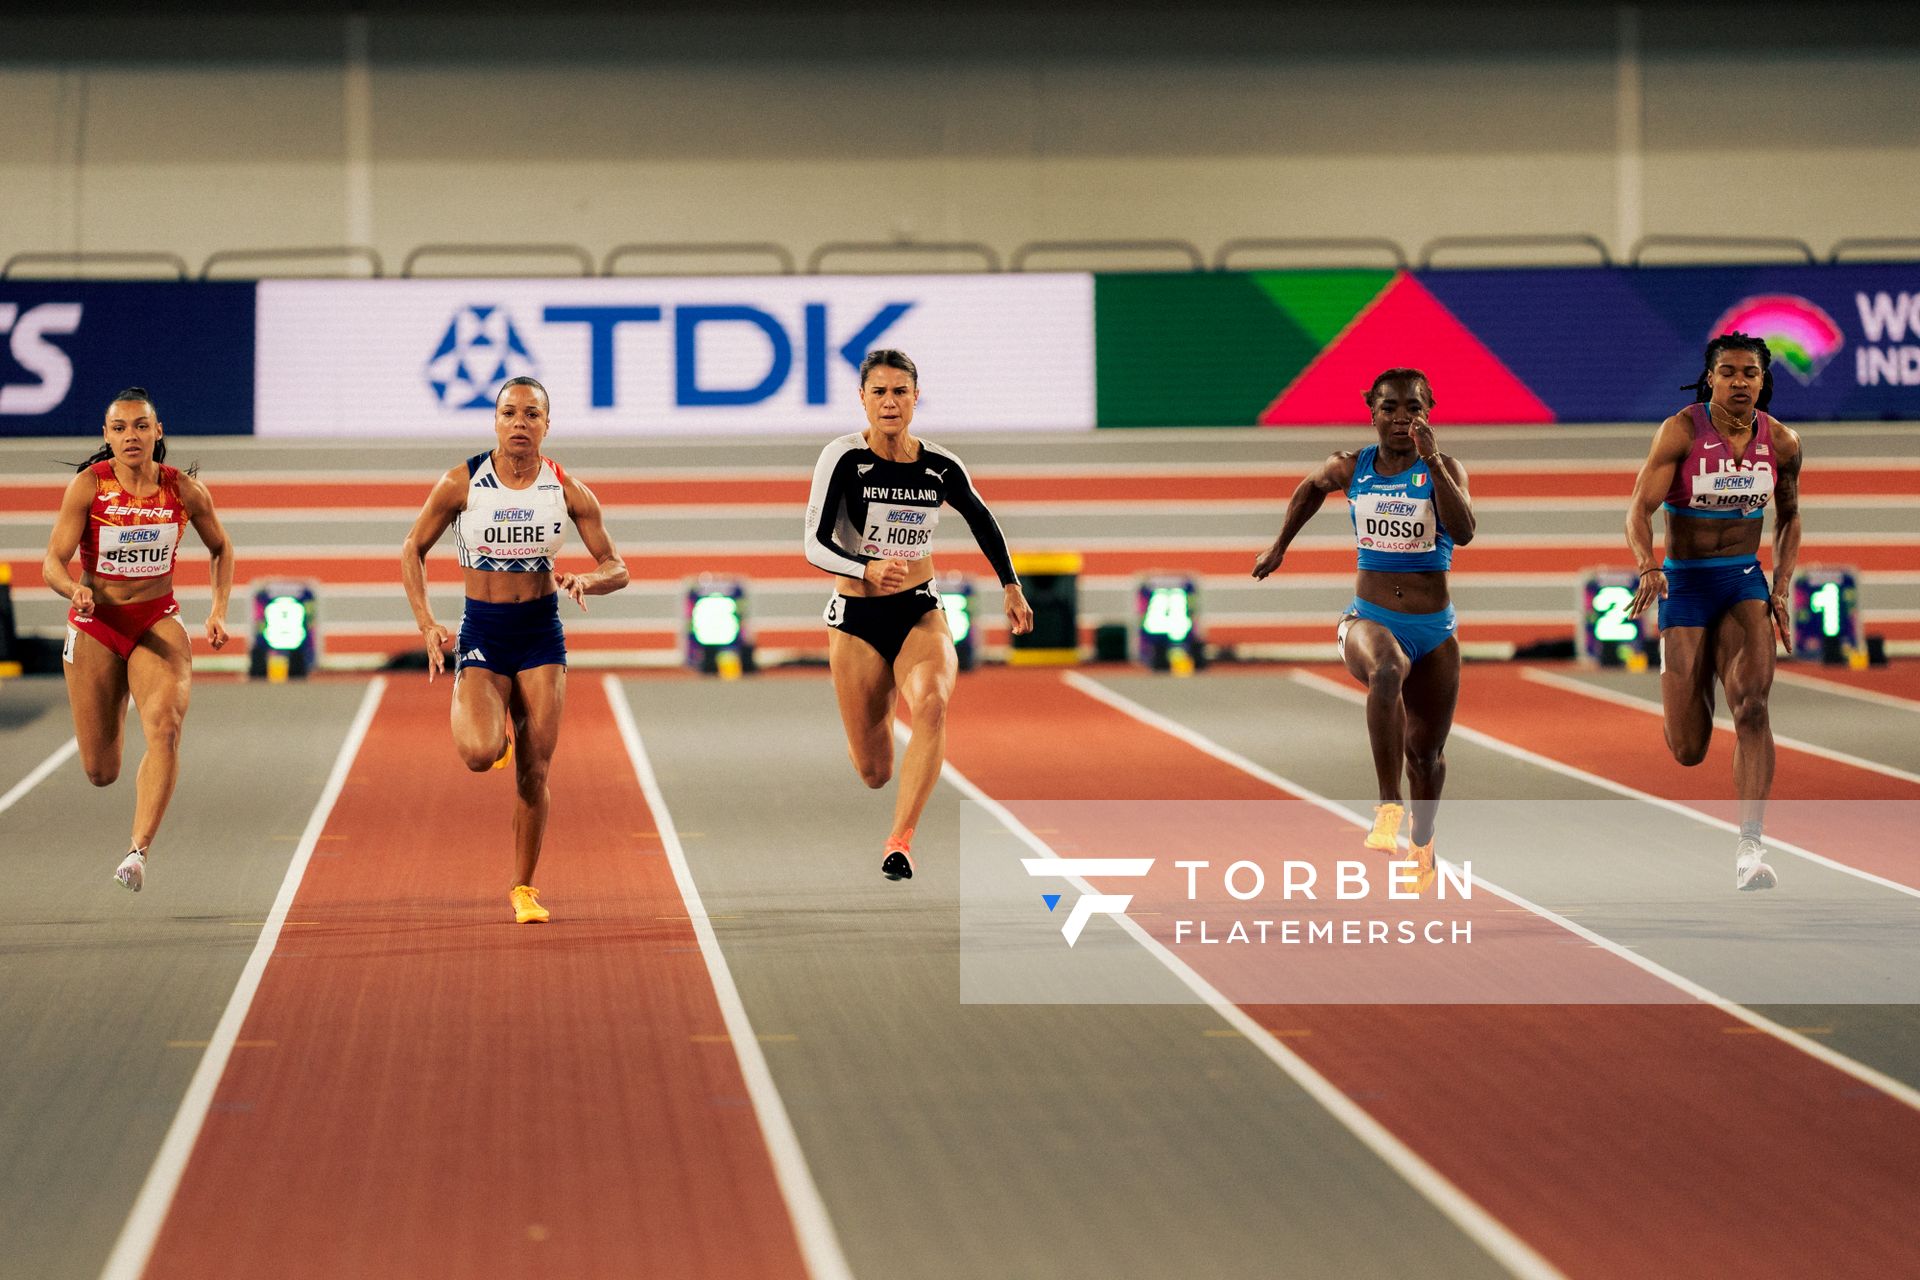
(1167, 614)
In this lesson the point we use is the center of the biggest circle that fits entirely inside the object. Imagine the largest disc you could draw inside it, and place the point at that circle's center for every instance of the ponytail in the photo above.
(105, 452)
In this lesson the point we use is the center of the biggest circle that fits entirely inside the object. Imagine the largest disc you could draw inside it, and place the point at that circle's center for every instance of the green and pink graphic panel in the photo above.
(1299, 348)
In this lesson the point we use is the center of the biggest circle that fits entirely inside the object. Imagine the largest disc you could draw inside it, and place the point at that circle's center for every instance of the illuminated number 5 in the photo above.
(1610, 620)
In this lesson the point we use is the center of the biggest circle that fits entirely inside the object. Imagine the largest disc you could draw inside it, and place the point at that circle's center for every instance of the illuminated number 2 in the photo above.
(1167, 614)
(1825, 601)
(1610, 620)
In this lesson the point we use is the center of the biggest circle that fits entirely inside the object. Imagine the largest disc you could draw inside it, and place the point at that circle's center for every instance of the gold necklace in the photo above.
(1734, 418)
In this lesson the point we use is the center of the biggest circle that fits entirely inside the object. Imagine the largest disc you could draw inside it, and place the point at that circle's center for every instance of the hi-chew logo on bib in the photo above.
(1384, 522)
(900, 533)
(1733, 488)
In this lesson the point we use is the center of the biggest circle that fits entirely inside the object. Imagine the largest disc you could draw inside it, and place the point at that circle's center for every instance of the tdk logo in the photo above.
(139, 535)
(480, 350)
(28, 332)
(482, 347)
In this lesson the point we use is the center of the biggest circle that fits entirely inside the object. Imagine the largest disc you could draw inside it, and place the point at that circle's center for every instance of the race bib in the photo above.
(137, 550)
(1392, 523)
(1741, 491)
(899, 532)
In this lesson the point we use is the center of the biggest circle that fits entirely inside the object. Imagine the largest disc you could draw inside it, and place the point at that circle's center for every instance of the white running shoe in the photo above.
(133, 870)
(1749, 872)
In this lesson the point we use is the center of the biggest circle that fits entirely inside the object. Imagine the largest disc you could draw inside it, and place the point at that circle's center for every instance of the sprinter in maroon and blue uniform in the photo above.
(1410, 508)
(1716, 466)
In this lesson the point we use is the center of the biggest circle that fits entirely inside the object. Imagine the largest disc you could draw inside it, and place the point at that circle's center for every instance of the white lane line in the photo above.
(819, 1243)
(1840, 1062)
(131, 1251)
(1553, 680)
(1461, 1209)
(60, 756)
(1506, 748)
(1834, 687)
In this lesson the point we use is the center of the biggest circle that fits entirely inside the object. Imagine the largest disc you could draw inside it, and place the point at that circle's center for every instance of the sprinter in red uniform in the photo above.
(124, 513)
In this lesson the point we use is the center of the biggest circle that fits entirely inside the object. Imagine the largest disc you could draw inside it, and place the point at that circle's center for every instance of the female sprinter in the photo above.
(124, 513)
(508, 509)
(1715, 465)
(870, 518)
(1410, 508)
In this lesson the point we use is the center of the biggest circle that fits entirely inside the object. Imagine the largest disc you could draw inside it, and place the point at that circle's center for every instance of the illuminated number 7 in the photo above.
(1610, 621)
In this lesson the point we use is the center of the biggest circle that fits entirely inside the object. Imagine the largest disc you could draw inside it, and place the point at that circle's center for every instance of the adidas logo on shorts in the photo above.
(473, 655)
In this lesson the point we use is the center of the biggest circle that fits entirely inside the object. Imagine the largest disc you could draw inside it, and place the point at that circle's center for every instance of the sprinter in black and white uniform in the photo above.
(871, 516)
(509, 508)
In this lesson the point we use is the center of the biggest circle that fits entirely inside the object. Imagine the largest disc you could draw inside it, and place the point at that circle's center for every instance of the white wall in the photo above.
(123, 133)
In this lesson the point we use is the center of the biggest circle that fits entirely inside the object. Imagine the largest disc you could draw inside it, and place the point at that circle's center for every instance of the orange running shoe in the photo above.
(526, 905)
(1425, 869)
(1385, 835)
(506, 752)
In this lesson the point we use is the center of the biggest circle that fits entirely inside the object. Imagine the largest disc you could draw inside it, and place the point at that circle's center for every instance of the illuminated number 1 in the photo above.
(1825, 601)
(1610, 620)
(1167, 614)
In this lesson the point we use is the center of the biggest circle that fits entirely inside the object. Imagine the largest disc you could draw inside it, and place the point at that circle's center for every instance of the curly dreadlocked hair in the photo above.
(1735, 341)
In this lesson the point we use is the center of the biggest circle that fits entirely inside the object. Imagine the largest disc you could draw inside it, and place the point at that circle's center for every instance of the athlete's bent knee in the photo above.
(479, 758)
(929, 710)
(1387, 679)
(104, 774)
(1688, 751)
(875, 773)
(1749, 712)
(1425, 763)
(163, 732)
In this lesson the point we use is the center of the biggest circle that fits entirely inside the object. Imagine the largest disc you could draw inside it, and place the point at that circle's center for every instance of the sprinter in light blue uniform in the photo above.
(1409, 507)
(508, 508)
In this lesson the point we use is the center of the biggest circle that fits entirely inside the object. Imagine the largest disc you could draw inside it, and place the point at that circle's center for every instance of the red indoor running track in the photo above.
(423, 1088)
(1615, 1140)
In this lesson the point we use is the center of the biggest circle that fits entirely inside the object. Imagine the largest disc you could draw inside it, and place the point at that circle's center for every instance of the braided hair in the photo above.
(1393, 375)
(1735, 341)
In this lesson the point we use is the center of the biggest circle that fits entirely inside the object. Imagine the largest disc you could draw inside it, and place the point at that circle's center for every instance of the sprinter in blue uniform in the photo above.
(1410, 508)
(509, 509)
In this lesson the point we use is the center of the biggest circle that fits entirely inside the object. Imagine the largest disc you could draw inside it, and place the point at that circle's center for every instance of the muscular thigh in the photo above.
(1743, 644)
(862, 681)
(927, 662)
(160, 669)
(1370, 647)
(539, 697)
(1431, 691)
(97, 690)
(480, 701)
